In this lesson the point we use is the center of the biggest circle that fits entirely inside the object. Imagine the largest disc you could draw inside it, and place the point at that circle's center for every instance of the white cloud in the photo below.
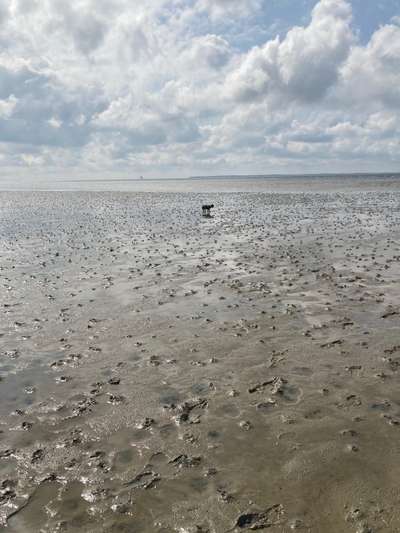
(218, 9)
(371, 76)
(208, 51)
(55, 123)
(7, 106)
(304, 65)
(32, 160)
(163, 87)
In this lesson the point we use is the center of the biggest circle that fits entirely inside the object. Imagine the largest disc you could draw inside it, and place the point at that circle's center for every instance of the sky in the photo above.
(174, 88)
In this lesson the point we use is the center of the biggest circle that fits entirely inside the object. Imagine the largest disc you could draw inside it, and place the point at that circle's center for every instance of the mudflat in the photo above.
(164, 372)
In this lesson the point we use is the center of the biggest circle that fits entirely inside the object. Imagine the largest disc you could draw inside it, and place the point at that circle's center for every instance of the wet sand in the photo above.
(164, 372)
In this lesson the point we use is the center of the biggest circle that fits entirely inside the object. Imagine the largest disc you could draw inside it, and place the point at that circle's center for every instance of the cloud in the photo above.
(208, 51)
(168, 87)
(4, 11)
(217, 9)
(372, 74)
(304, 65)
(7, 106)
(146, 125)
(36, 110)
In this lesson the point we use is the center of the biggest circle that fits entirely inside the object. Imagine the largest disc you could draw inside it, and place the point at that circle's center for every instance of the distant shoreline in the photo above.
(373, 175)
(321, 175)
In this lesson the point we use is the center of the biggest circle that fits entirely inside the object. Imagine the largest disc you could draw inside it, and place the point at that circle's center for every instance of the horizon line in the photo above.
(290, 174)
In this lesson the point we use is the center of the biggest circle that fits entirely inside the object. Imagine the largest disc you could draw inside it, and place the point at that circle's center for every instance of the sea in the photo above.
(215, 184)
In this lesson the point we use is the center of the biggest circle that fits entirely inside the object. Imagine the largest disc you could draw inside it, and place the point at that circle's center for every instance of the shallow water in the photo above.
(164, 372)
(267, 184)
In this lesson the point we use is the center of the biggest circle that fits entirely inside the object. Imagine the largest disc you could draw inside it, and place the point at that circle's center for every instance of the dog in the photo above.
(206, 210)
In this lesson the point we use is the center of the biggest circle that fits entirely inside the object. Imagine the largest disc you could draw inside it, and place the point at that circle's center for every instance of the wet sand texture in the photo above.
(164, 372)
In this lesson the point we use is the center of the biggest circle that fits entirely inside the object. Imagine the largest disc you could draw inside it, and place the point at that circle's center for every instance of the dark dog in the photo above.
(206, 210)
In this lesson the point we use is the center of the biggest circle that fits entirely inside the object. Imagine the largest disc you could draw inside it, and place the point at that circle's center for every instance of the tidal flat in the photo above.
(163, 372)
